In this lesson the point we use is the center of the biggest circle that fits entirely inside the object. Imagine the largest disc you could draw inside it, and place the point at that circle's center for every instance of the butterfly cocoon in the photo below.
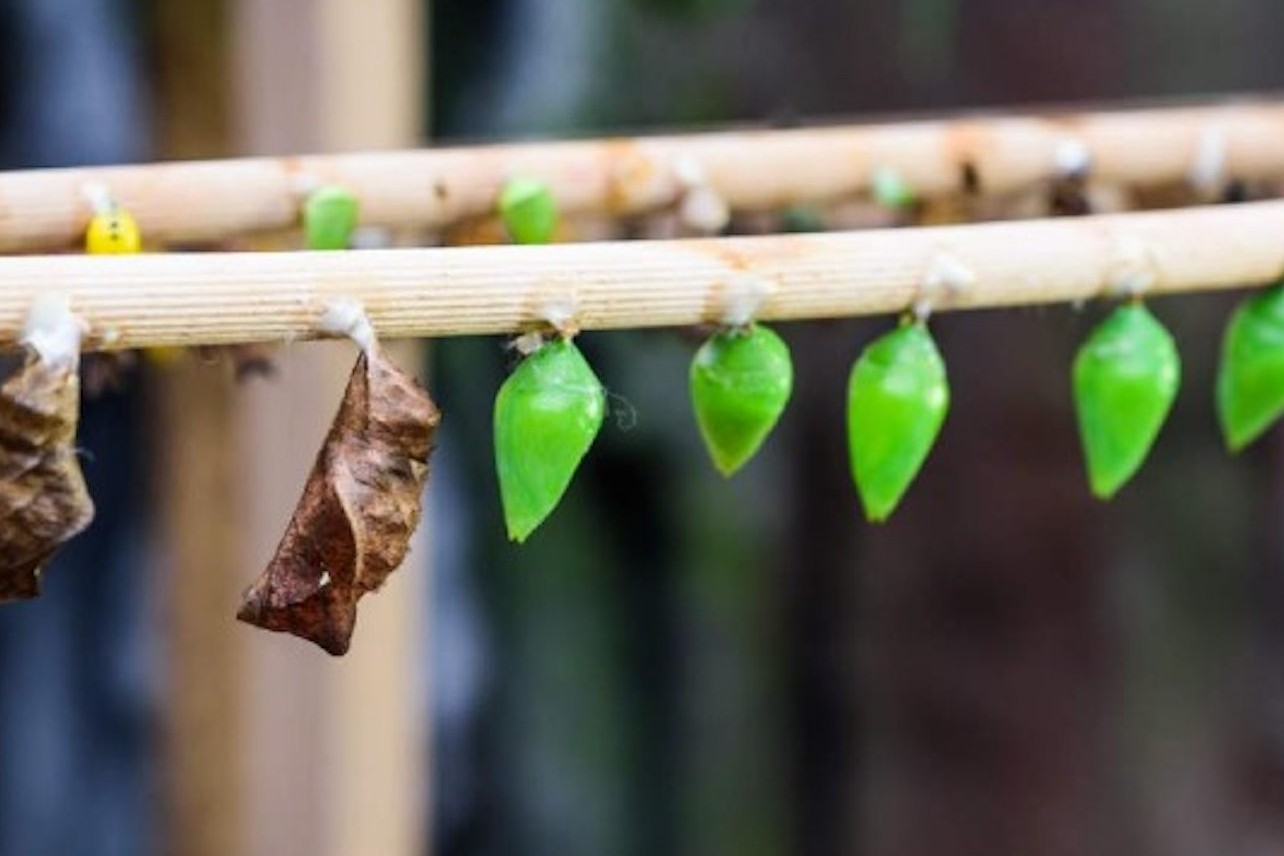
(1250, 380)
(1126, 377)
(43, 498)
(113, 232)
(547, 415)
(330, 218)
(741, 380)
(897, 400)
(360, 506)
(528, 210)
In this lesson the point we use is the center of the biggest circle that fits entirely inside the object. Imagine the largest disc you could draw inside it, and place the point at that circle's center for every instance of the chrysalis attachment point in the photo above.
(347, 317)
(1208, 172)
(1072, 158)
(700, 207)
(745, 294)
(1133, 270)
(946, 279)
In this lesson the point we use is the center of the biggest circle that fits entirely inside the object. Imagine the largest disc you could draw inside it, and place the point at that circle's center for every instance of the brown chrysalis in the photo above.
(43, 498)
(360, 506)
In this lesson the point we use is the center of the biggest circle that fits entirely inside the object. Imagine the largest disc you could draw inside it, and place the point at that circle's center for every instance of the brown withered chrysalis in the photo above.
(360, 506)
(43, 498)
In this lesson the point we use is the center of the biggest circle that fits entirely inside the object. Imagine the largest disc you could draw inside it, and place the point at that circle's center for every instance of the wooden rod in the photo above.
(220, 298)
(752, 170)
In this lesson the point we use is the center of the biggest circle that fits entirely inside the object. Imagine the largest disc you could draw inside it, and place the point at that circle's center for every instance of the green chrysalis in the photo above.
(891, 191)
(329, 218)
(741, 380)
(528, 210)
(547, 415)
(1250, 382)
(897, 400)
(1125, 381)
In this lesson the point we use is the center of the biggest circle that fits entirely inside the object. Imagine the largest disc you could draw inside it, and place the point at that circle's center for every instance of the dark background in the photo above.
(678, 665)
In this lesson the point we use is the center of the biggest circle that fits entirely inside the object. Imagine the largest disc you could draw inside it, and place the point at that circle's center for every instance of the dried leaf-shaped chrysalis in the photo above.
(741, 380)
(1250, 382)
(896, 404)
(547, 415)
(360, 506)
(43, 500)
(329, 218)
(528, 210)
(1125, 381)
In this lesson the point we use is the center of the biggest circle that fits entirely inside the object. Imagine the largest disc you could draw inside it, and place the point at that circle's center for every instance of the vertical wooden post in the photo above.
(194, 483)
(273, 747)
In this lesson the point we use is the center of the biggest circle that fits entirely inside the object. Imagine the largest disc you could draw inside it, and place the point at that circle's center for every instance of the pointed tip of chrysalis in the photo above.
(878, 509)
(1237, 438)
(1238, 433)
(878, 516)
(519, 531)
(1105, 486)
(1105, 492)
(728, 468)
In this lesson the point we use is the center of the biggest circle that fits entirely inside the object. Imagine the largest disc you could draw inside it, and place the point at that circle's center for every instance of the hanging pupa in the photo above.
(547, 415)
(528, 211)
(330, 216)
(897, 400)
(112, 231)
(1250, 380)
(359, 509)
(1126, 378)
(740, 380)
(43, 498)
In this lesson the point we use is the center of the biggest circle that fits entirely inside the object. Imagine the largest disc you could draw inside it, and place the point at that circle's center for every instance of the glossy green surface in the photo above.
(329, 218)
(547, 415)
(1126, 378)
(1250, 382)
(897, 400)
(528, 210)
(741, 381)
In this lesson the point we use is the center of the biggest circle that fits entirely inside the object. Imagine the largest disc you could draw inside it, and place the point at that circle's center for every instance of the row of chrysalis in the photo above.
(360, 505)
(1125, 379)
(550, 410)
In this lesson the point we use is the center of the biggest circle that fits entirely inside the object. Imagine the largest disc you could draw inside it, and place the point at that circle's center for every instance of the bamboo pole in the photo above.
(209, 299)
(752, 170)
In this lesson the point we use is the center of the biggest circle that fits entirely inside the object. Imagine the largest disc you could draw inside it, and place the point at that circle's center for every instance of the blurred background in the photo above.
(672, 665)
